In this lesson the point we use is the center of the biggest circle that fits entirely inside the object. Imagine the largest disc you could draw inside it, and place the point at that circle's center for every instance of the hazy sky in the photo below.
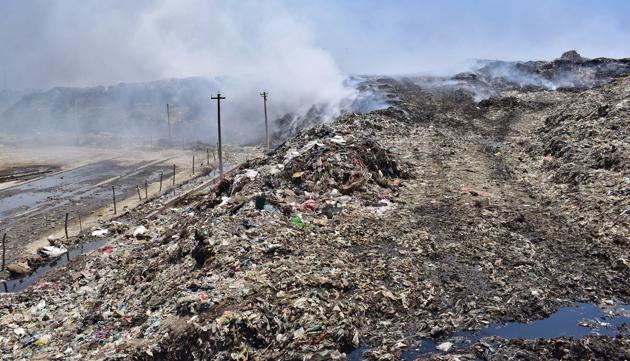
(409, 36)
(88, 42)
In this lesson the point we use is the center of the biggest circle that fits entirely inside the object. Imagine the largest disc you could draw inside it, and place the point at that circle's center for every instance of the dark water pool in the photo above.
(578, 321)
(19, 284)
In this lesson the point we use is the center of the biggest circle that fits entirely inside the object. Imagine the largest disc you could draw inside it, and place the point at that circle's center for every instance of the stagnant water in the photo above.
(578, 321)
(62, 185)
(19, 284)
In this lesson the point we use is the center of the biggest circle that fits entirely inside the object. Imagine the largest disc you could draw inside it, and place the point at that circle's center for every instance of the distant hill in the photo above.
(125, 106)
(132, 110)
(9, 97)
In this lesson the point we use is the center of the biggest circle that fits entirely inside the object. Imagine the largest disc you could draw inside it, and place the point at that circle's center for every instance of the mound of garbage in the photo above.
(233, 271)
(366, 238)
(589, 133)
(489, 78)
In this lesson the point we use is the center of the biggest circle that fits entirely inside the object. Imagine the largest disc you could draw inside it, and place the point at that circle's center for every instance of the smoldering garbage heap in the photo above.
(236, 276)
(586, 150)
(378, 230)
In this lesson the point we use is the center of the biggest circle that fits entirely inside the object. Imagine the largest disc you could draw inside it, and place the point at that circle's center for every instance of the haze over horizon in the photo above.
(291, 44)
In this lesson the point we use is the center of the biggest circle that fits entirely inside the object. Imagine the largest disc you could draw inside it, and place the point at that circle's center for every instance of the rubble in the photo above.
(436, 215)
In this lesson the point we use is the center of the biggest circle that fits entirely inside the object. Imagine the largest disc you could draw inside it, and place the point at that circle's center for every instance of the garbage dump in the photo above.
(437, 215)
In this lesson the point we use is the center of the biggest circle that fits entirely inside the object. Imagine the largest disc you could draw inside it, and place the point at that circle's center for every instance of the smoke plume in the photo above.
(241, 48)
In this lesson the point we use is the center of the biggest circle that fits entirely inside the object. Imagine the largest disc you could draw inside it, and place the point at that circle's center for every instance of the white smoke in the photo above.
(252, 45)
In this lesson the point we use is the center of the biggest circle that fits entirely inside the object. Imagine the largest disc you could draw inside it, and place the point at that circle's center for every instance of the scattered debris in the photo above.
(413, 223)
(140, 231)
(444, 346)
(100, 233)
(52, 251)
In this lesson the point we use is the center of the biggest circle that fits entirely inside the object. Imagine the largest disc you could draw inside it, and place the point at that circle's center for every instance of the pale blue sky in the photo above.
(87, 42)
(408, 36)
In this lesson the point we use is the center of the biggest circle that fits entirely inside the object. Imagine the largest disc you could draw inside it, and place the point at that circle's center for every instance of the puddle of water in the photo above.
(19, 284)
(71, 183)
(31, 194)
(581, 320)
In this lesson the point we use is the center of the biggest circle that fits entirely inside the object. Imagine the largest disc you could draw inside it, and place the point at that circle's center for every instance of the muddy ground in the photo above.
(374, 233)
(34, 197)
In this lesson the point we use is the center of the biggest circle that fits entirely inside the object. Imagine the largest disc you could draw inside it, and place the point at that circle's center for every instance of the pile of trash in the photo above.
(589, 134)
(412, 223)
(586, 157)
(250, 269)
(491, 78)
(321, 159)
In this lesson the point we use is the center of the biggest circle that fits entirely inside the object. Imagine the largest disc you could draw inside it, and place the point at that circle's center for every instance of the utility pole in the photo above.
(168, 121)
(114, 196)
(4, 250)
(66, 226)
(218, 99)
(264, 95)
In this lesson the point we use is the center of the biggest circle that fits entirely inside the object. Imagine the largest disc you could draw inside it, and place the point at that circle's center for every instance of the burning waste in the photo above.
(372, 235)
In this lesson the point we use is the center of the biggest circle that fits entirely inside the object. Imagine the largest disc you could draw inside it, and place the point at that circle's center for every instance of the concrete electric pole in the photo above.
(220, 151)
(264, 96)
